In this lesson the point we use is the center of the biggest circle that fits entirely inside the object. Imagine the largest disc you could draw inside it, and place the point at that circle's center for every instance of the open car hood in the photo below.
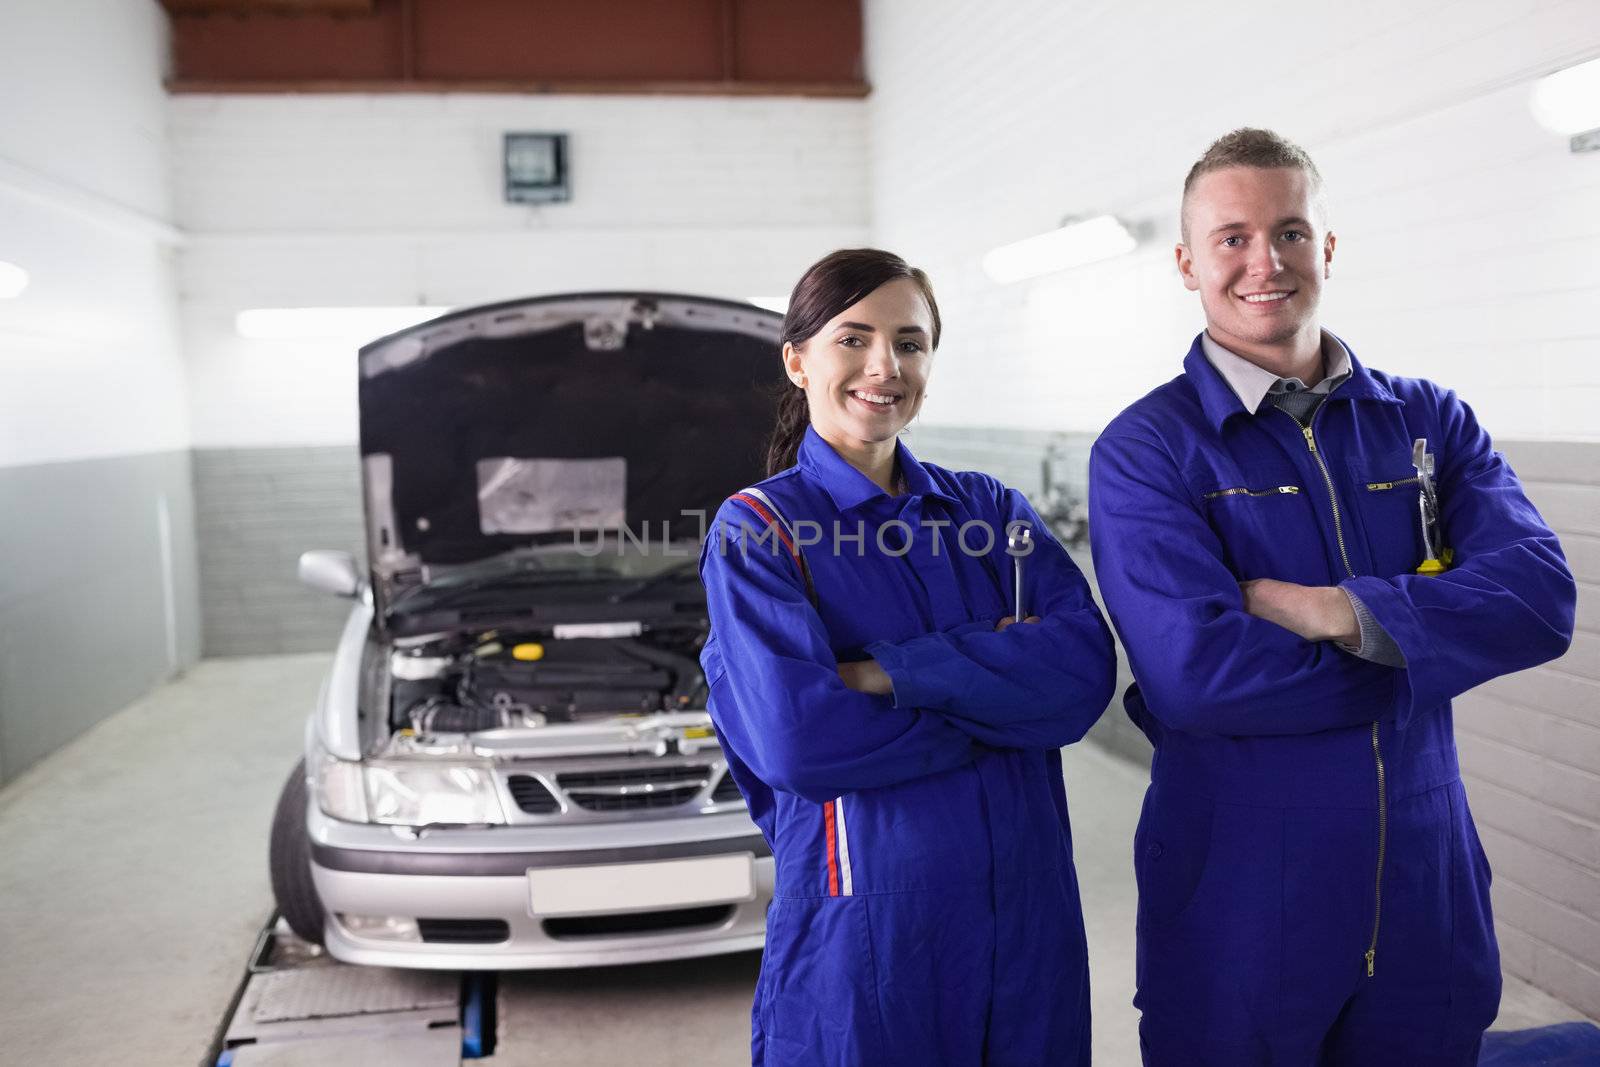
(495, 428)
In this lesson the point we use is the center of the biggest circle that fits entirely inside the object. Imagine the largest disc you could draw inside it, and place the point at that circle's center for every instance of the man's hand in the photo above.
(1315, 612)
(1010, 620)
(866, 676)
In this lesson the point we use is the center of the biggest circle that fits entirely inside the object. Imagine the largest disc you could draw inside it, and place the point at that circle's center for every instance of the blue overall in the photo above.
(926, 908)
(1311, 886)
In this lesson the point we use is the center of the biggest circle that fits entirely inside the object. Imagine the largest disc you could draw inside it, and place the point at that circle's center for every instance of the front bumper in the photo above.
(481, 874)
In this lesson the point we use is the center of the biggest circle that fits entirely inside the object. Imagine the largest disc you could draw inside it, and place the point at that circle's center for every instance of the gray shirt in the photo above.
(1257, 387)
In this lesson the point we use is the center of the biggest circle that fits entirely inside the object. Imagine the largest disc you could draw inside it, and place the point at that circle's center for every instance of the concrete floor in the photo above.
(133, 882)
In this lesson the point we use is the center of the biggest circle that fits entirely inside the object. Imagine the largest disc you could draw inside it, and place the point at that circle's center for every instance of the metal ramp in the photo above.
(298, 1007)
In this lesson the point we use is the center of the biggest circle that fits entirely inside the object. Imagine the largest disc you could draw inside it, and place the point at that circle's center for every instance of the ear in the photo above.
(1327, 254)
(792, 365)
(1186, 267)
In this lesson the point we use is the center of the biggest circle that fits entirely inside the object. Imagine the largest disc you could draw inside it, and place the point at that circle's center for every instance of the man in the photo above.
(1311, 888)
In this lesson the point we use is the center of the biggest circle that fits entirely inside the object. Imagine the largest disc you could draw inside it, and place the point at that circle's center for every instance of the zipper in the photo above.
(1375, 487)
(1383, 841)
(1377, 752)
(1274, 491)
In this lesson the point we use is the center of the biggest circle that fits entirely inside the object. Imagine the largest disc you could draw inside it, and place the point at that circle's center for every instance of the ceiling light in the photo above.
(1568, 101)
(13, 279)
(1073, 245)
(347, 323)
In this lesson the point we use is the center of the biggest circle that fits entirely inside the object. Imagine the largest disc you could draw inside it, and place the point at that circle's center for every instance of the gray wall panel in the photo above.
(90, 584)
(257, 510)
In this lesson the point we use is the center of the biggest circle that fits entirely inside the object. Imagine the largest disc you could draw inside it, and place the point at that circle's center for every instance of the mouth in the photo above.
(1267, 297)
(875, 399)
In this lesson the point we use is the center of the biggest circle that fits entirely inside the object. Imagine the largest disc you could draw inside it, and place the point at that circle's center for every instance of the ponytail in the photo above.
(794, 415)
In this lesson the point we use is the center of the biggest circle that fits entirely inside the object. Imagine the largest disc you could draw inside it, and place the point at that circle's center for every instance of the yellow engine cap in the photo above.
(528, 651)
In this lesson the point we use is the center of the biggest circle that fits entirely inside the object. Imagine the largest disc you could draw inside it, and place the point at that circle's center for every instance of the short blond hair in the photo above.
(1251, 147)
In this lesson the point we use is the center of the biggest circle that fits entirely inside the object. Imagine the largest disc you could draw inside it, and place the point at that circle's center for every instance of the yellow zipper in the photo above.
(1377, 752)
(1274, 491)
(1374, 487)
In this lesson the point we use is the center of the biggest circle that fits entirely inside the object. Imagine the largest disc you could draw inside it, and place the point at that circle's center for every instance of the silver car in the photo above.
(510, 764)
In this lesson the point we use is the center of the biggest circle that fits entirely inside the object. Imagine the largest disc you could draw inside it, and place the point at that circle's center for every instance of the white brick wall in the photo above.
(90, 349)
(1466, 254)
(1465, 230)
(396, 199)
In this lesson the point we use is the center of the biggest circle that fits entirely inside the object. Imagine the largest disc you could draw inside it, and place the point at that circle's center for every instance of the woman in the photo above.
(895, 735)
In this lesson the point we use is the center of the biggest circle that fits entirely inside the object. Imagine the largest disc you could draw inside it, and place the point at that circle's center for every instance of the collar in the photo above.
(848, 487)
(1213, 379)
(1252, 384)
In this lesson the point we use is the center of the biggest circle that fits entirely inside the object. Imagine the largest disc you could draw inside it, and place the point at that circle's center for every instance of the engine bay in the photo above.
(495, 680)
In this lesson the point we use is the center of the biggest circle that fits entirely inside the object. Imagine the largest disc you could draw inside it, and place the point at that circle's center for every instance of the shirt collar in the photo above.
(1219, 400)
(1251, 384)
(848, 487)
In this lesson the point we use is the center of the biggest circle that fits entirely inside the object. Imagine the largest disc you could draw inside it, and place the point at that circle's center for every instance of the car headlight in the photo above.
(422, 795)
(339, 789)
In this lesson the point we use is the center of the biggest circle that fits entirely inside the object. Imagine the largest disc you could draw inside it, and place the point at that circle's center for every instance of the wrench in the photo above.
(1018, 543)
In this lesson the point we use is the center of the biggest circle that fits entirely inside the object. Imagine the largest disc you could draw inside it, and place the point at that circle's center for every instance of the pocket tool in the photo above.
(1019, 544)
(1437, 557)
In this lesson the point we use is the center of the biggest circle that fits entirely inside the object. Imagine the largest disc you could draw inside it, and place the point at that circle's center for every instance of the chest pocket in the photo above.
(1384, 495)
(1267, 526)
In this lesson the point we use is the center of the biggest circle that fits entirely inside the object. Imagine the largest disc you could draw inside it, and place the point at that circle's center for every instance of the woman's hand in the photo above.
(1010, 620)
(866, 676)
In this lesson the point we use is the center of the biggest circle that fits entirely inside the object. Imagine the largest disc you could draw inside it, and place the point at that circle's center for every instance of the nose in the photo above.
(882, 362)
(1264, 259)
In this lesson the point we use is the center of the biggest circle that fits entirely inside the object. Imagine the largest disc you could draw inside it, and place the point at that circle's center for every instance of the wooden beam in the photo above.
(616, 88)
(274, 7)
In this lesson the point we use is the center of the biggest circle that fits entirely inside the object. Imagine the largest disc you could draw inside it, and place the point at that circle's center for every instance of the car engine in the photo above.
(496, 681)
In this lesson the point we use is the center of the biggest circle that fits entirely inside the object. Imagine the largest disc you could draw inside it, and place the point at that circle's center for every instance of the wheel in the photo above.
(290, 860)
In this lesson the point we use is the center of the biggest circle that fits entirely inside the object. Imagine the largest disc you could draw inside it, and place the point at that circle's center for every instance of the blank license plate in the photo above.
(622, 887)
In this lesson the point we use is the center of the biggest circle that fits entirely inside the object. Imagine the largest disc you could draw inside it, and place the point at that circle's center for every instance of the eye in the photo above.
(1295, 236)
(911, 346)
(850, 340)
(1233, 240)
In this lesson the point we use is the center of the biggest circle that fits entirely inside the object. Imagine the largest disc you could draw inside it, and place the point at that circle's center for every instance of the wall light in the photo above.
(13, 279)
(1073, 245)
(351, 323)
(1568, 101)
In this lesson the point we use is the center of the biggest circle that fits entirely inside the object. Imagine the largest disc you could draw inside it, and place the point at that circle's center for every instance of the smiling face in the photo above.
(866, 371)
(1257, 250)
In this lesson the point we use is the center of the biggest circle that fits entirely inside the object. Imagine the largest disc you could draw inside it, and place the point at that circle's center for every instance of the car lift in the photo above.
(298, 1007)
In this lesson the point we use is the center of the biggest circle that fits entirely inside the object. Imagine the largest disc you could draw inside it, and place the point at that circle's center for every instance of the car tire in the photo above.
(290, 861)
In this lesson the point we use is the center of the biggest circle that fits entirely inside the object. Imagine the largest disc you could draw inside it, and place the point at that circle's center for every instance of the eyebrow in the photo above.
(1290, 220)
(871, 329)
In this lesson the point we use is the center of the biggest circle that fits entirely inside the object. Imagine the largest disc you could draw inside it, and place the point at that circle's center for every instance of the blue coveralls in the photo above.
(926, 909)
(1311, 887)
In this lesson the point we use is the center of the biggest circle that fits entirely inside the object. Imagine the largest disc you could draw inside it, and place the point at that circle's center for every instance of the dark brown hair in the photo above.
(828, 286)
(1250, 147)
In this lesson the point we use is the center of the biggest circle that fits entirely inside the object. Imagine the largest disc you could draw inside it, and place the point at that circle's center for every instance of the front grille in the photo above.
(531, 795)
(644, 922)
(464, 931)
(727, 791)
(635, 788)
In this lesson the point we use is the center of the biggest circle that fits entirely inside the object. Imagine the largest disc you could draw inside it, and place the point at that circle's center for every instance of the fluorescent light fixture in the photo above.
(1073, 245)
(13, 279)
(351, 323)
(780, 304)
(1568, 101)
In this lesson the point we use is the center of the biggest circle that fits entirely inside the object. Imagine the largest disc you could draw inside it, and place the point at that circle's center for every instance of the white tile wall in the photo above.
(350, 200)
(89, 352)
(1466, 231)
